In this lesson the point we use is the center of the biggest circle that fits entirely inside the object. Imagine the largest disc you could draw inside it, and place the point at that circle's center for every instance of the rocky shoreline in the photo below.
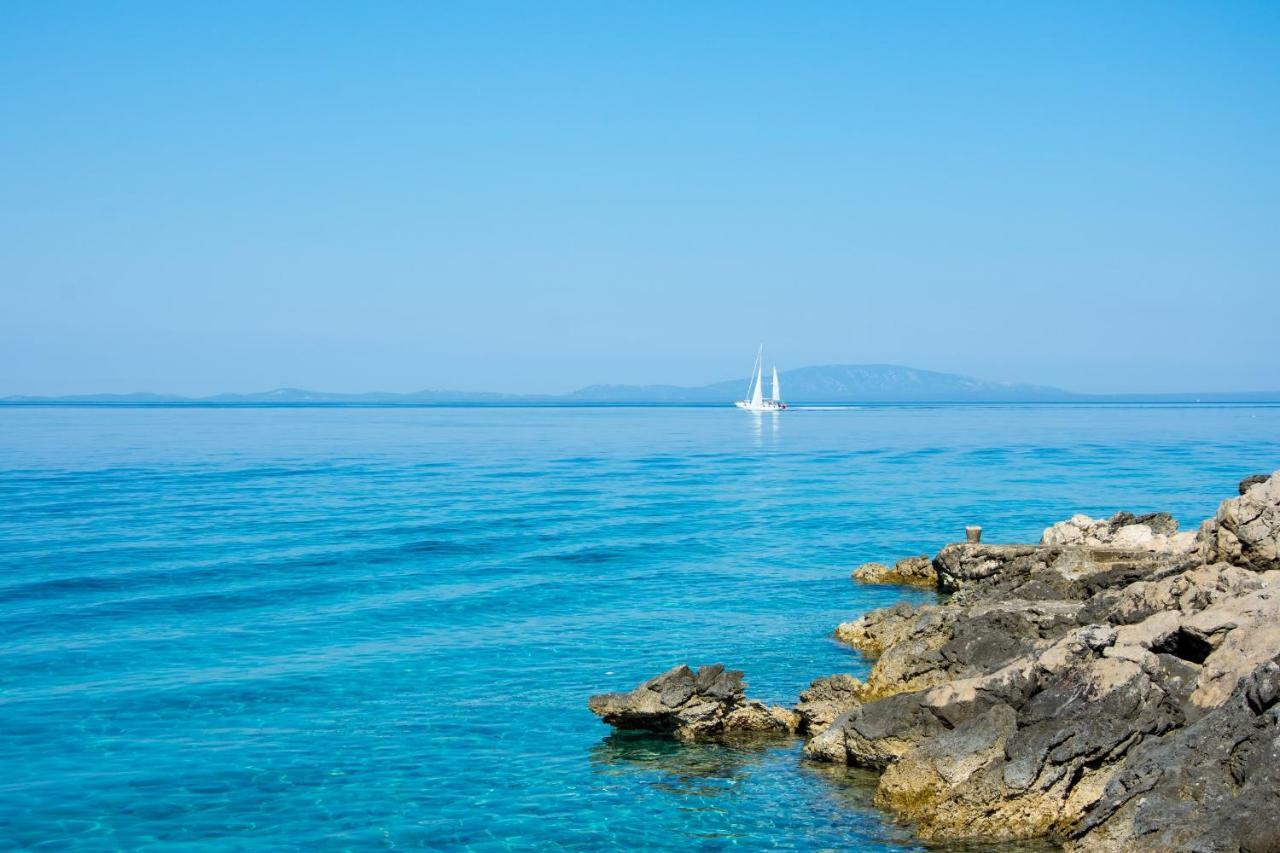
(1114, 687)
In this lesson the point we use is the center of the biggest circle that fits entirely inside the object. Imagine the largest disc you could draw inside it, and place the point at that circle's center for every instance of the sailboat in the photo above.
(755, 401)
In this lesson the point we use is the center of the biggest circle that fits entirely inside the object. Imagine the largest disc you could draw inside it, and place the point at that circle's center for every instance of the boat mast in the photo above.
(759, 377)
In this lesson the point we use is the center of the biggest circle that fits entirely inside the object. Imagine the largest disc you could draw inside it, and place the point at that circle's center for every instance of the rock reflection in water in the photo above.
(700, 769)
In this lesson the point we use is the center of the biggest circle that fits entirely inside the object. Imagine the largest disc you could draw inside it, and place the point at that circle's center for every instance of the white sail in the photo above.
(756, 393)
(755, 401)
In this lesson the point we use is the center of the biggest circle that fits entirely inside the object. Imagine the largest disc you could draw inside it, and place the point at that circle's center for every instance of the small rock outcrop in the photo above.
(909, 571)
(709, 703)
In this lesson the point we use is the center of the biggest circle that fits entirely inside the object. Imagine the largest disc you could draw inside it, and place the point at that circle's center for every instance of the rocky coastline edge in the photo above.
(1115, 686)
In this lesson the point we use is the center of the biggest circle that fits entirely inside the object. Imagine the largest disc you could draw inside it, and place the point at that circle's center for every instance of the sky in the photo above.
(198, 198)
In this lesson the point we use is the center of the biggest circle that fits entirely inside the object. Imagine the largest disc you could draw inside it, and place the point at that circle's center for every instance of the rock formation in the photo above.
(1064, 685)
(1155, 531)
(825, 700)
(690, 705)
(1246, 530)
(1116, 686)
(1210, 786)
(911, 571)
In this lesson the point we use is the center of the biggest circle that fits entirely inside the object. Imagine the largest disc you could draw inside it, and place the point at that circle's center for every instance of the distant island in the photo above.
(832, 383)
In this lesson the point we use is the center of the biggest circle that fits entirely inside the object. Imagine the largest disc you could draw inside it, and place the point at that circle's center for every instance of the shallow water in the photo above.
(299, 627)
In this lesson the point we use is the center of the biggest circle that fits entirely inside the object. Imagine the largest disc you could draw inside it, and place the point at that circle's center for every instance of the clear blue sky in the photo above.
(531, 197)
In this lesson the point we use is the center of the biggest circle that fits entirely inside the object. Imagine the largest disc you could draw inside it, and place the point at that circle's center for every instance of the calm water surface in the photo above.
(265, 628)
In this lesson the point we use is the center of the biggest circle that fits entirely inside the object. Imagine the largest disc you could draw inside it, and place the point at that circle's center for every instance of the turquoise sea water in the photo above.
(228, 628)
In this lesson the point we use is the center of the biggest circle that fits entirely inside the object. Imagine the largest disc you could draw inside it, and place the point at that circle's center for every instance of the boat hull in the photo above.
(765, 406)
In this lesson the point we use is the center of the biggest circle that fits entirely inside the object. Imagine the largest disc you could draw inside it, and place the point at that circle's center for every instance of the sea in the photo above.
(267, 628)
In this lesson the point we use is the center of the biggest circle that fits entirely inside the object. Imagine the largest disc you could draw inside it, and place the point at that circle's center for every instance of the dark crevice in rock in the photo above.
(1186, 645)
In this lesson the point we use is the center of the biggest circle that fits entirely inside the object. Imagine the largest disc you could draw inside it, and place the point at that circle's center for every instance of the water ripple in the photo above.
(243, 629)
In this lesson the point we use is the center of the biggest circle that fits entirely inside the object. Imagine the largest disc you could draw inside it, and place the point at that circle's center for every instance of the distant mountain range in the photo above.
(833, 383)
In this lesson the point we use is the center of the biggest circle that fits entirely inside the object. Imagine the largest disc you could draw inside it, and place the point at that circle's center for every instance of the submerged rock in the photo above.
(690, 705)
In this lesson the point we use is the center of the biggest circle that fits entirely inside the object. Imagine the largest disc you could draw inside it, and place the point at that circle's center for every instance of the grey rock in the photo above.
(963, 563)
(825, 700)
(1117, 685)
(1214, 785)
(1245, 531)
(1159, 523)
(1252, 480)
(709, 703)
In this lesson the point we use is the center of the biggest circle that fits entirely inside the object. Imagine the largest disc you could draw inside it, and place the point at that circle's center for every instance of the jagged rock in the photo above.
(953, 776)
(871, 573)
(1156, 531)
(1213, 785)
(1159, 523)
(876, 734)
(709, 703)
(917, 570)
(1014, 754)
(924, 646)
(825, 700)
(1233, 637)
(1246, 530)
(1252, 480)
(876, 631)
(1189, 592)
(1071, 573)
(1117, 684)
(950, 643)
(964, 563)
(911, 571)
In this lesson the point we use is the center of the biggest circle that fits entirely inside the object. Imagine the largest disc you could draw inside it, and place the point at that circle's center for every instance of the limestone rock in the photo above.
(1156, 531)
(910, 571)
(945, 784)
(1017, 753)
(1246, 530)
(876, 631)
(692, 705)
(962, 563)
(1235, 636)
(1213, 785)
(871, 573)
(1188, 592)
(825, 700)
(1252, 480)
